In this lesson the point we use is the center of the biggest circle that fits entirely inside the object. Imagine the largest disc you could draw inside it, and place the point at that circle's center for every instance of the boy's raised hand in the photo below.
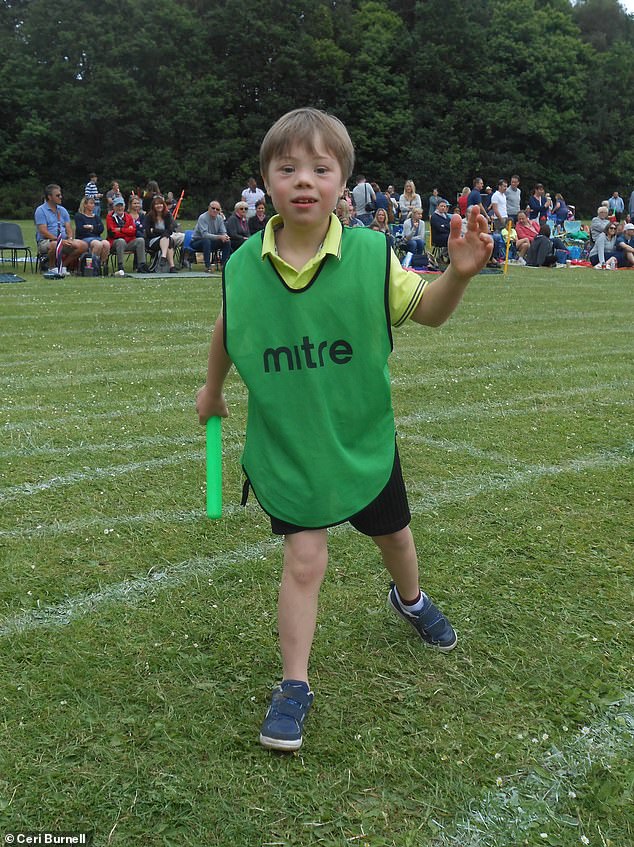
(469, 254)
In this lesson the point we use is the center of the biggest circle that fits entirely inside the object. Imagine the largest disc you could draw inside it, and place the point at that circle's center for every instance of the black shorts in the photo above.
(387, 513)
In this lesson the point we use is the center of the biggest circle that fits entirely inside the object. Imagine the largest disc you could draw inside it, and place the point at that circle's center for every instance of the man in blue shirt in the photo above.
(616, 205)
(51, 221)
(475, 196)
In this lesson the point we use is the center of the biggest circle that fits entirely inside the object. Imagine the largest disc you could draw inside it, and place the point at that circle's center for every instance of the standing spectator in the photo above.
(51, 221)
(560, 211)
(111, 193)
(159, 226)
(409, 200)
(474, 198)
(631, 207)
(381, 200)
(513, 198)
(433, 201)
(538, 205)
(616, 206)
(238, 226)
(498, 206)
(259, 221)
(251, 195)
(363, 196)
(123, 238)
(151, 190)
(210, 235)
(91, 190)
(462, 201)
(486, 200)
(88, 227)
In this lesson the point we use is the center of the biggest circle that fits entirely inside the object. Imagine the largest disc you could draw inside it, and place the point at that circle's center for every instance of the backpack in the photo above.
(89, 265)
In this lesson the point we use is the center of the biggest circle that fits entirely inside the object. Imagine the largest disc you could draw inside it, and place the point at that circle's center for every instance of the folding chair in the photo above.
(11, 239)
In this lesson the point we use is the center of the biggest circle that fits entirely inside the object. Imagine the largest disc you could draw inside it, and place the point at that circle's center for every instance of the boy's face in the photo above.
(304, 186)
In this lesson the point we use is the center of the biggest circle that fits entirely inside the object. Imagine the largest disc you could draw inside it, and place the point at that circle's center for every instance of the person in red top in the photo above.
(526, 231)
(122, 236)
(462, 201)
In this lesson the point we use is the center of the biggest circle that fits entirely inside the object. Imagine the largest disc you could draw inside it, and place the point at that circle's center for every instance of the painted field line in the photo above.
(527, 806)
(229, 441)
(133, 590)
(523, 365)
(432, 413)
(404, 349)
(128, 590)
(27, 489)
(114, 328)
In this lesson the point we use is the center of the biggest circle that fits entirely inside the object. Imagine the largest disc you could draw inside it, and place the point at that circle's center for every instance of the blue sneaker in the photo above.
(430, 623)
(283, 722)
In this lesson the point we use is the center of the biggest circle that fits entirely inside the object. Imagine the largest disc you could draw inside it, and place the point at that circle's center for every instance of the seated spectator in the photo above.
(380, 223)
(440, 223)
(123, 238)
(137, 214)
(513, 249)
(541, 253)
(345, 214)
(259, 221)
(604, 247)
(526, 231)
(598, 223)
(159, 226)
(625, 247)
(237, 225)
(462, 201)
(409, 200)
(88, 227)
(52, 221)
(538, 205)
(210, 235)
(414, 236)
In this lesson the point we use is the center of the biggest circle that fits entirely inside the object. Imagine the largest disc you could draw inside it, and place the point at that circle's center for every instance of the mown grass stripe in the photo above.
(505, 817)
(484, 408)
(181, 572)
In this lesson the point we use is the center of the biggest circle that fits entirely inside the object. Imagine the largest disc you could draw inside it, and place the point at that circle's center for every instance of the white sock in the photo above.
(415, 607)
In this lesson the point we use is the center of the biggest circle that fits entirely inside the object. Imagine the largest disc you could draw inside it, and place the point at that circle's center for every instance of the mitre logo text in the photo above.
(307, 355)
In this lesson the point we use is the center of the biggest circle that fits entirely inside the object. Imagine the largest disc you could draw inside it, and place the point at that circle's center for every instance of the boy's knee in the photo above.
(399, 541)
(306, 556)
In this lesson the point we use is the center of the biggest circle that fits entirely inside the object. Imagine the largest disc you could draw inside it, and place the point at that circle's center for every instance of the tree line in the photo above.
(182, 91)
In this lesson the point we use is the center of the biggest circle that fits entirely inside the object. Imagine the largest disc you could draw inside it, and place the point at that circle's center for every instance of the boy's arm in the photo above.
(468, 256)
(210, 400)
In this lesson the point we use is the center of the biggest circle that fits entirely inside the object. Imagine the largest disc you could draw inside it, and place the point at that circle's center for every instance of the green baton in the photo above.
(214, 468)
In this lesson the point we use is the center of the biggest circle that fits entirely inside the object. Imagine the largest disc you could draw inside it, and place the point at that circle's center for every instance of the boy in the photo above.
(306, 320)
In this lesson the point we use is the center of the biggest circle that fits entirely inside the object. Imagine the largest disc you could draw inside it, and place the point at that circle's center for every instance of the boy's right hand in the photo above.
(210, 405)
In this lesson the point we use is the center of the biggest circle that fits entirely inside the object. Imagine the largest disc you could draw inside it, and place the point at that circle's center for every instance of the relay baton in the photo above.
(214, 468)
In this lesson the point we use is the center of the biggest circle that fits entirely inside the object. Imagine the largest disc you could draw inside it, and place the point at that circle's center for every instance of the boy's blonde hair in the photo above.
(307, 127)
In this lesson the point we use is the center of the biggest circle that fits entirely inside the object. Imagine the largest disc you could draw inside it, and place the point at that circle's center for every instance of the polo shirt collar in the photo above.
(331, 244)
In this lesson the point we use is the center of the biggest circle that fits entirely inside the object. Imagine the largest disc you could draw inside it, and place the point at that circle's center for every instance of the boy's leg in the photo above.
(405, 597)
(305, 561)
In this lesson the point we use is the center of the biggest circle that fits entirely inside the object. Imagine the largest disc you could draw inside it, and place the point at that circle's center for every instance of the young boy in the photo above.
(306, 319)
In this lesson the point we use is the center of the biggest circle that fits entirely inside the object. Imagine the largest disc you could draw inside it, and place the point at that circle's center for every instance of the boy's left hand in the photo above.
(469, 254)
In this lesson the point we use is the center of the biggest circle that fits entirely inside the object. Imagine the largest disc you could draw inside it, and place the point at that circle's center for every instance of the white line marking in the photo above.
(454, 493)
(505, 817)
(430, 414)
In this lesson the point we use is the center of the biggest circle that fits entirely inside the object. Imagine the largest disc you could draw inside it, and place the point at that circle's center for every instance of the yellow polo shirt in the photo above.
(405, 288)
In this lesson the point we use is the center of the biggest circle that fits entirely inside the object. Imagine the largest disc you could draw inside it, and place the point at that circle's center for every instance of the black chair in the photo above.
(11, 239)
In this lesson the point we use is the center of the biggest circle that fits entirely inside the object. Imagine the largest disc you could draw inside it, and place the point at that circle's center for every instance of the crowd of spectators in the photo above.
(149, 228)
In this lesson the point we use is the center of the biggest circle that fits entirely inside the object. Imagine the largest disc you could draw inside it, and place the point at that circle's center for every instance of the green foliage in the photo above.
(438, 90)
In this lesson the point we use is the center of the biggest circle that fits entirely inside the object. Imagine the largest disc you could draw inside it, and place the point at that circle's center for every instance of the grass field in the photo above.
(138, 638)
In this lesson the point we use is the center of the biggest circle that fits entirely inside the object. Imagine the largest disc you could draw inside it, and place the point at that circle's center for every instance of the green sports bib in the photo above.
(320, 430)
